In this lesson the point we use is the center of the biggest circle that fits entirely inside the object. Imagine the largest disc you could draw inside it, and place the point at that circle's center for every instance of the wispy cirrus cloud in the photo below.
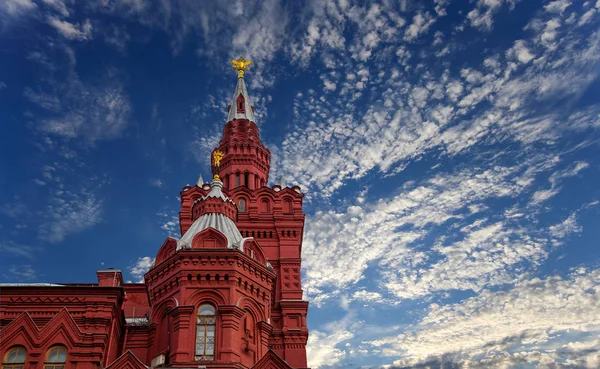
(23, 272)
(536, 322)
(72, 31)
(17, 7)
(339, 143)
(13, 248)
(388, 235)
(84, 111)
(69, 212)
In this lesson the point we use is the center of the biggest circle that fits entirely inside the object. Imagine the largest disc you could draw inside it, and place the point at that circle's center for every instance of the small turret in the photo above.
(215, 210)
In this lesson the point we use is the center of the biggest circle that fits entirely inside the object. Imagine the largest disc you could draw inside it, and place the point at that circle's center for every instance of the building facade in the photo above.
(227, 294)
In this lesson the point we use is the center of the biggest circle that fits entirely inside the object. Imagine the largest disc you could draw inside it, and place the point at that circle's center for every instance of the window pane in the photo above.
(20, 355)
(57, 355)
(206, 310)
(16, 356)
(205, 333)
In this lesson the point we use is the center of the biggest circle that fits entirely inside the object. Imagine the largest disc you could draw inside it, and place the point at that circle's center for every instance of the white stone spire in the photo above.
(200, 181)
(241, 107)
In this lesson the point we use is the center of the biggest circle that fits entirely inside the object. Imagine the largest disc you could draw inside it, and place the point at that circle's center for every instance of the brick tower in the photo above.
(227, 294)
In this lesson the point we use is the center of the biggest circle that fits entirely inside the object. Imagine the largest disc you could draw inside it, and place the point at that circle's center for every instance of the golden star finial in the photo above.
(240, 64)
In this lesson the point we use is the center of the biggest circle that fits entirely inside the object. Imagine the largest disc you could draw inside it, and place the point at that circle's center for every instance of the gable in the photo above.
(271, 360)
(127, 361)
(61, 328)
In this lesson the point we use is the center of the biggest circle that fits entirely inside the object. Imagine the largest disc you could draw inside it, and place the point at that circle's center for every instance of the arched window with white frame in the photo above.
(15, 358)
(56, 358)
(205, 332)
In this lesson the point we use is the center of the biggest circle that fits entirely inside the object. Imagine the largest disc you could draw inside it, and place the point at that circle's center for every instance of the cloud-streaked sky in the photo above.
(449, 152)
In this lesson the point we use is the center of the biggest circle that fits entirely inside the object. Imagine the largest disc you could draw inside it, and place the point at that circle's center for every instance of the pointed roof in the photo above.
(248, 111)
(216, 191)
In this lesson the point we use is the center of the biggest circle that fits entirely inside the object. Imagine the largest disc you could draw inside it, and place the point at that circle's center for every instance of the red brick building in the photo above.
(227, 294)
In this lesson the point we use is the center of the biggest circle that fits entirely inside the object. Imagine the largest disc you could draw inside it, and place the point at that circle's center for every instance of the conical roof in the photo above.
(213, 219)
(246, 111)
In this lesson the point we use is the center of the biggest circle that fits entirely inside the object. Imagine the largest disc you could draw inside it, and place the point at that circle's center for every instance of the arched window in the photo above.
(287, 206)
(205, 333)
(237, 180)
(14, 358)
(56, 358)
(265, 206)
(242, 206)
(240, 104)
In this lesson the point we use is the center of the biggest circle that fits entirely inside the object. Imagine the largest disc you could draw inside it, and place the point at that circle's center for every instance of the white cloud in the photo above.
(322, 348)
(169, 222)
(388, 230)
(58, 5)
(141, 266)
(18, 249)
(329, 85)
(69, 212)
(20, 273)
(520, 52)
(95, 114)
(156, 182)
(557, 6)
(17, 7)
(568, 226)
(71, 31)
(421, 23)
(587, 17)
(92, 111)
(528, 321)
(555, 180)
(482, 15)
(335, 141)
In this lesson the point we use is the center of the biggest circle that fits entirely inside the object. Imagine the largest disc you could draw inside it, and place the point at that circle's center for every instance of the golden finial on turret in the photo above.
(240, 64)
(217, 156)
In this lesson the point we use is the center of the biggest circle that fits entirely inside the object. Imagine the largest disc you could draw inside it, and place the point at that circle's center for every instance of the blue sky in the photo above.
(449, 152)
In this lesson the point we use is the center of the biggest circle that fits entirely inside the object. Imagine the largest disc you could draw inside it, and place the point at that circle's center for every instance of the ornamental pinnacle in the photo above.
(240, 64)
(217, 156)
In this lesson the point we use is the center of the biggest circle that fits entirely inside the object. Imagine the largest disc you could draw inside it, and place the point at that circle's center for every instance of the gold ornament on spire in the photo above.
(217, 156)
(241, 65)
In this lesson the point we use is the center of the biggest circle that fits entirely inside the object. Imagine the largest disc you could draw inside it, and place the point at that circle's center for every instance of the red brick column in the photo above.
(182, 334)
(230, 332)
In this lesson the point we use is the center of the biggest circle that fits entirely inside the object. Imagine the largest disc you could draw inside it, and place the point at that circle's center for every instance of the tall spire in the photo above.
(242, 160)
(241, 107)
